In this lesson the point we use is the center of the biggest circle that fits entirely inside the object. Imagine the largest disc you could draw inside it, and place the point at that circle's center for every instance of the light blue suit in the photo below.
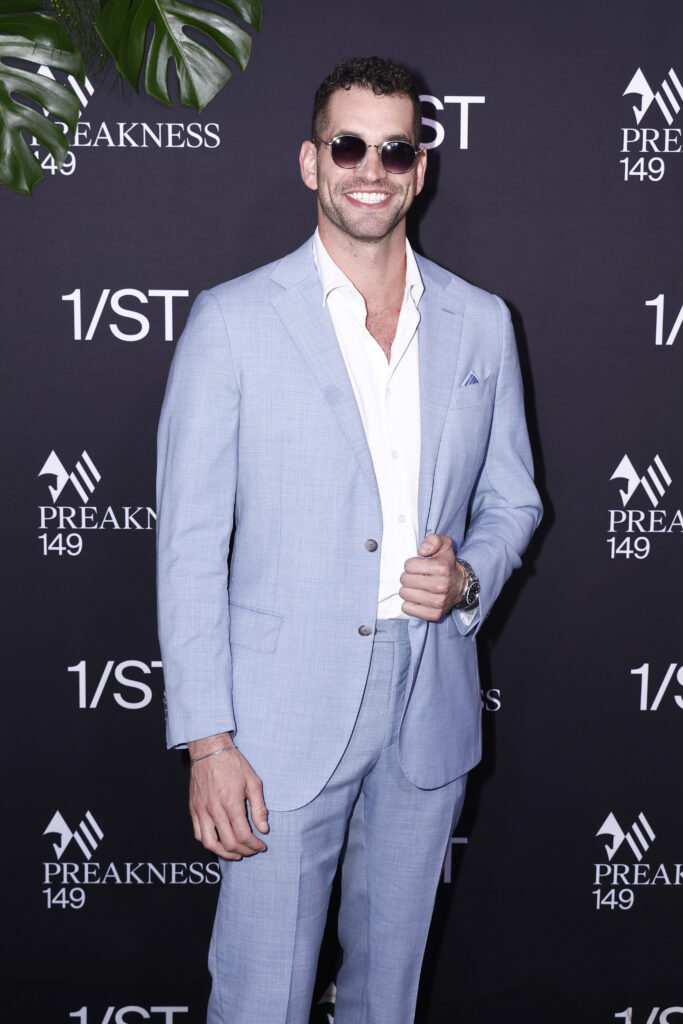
(260, 417)
(260, 431)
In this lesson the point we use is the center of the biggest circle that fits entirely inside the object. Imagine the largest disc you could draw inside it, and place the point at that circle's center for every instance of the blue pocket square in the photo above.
(471, 378)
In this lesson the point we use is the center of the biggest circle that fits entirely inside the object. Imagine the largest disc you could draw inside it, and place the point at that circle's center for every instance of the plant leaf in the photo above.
(78, 18)
(201, 72)
(27, 33)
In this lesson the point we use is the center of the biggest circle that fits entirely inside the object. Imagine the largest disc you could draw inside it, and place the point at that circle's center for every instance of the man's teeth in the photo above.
(369, 197)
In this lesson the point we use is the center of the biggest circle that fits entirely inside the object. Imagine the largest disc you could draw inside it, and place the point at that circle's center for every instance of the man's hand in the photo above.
(433, 584)
(219, 788)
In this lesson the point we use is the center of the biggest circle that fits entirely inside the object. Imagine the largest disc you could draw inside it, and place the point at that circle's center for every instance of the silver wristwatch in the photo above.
(470, 594)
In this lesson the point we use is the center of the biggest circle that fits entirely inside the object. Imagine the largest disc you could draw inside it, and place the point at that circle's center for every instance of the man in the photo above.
(344, 429)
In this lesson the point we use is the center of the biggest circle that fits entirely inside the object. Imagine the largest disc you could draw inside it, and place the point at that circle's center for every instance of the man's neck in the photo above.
(377, 268)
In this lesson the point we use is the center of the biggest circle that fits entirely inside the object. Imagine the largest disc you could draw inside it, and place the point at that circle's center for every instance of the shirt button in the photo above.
(365, 630)
(388, 392)
(371, 545)
(401, 519)
(394, 454)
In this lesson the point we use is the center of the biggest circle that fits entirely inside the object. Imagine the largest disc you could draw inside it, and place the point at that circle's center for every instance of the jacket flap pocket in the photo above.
(255, 629)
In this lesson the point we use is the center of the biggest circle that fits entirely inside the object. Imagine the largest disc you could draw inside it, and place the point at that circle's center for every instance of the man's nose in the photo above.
(372, 165)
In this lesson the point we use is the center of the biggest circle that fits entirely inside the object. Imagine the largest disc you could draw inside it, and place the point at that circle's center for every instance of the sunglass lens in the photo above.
(397, 157)
(348, 151)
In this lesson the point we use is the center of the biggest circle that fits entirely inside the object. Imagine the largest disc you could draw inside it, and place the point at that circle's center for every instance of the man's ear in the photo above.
(421, 167)
(308, 162)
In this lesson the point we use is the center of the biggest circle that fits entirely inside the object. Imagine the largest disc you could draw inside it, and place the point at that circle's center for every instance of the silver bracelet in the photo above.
(194, 760)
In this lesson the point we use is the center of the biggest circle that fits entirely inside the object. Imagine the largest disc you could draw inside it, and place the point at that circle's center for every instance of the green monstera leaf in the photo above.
(201, 73)
(28, 34)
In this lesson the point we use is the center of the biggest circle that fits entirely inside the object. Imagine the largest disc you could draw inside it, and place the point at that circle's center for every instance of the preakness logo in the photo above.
(654, 141)
(74, 870)
(668, 97)
(87, 835)
(654, 481)
(122, 134)
(63, 525)
(638, 524)
(617, 879)
(84, 476)
(639, 837)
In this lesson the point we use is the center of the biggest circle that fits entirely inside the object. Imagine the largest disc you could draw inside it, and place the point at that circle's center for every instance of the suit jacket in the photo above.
(264, 471)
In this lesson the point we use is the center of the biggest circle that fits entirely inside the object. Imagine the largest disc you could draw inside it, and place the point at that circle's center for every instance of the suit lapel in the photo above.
(440, 333)
(299, 304)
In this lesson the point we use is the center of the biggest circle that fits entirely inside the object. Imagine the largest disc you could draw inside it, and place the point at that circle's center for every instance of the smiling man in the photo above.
(345, 484)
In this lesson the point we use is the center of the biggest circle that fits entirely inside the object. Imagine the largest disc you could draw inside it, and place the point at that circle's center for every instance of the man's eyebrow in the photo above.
(391, 137)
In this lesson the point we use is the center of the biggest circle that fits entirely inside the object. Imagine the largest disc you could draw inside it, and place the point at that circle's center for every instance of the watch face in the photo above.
(470, 596)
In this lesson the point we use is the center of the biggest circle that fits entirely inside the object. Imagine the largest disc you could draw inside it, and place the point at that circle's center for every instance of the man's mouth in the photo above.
(369, 198)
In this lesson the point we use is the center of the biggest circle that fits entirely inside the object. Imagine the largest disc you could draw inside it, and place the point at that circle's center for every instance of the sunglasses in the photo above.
(348, 151)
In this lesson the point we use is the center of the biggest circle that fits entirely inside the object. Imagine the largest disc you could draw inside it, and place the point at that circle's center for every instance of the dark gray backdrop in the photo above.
(108, 914)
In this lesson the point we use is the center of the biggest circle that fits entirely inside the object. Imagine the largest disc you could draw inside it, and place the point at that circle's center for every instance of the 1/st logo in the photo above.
(658, 303)
(464, 103)
(662, 688)
(131, 685)
(126, 311)
(654, 1017)
(129, 1014)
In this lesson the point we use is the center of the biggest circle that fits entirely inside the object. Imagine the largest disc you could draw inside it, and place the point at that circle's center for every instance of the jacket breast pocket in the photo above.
(257, 630)
(471, 396)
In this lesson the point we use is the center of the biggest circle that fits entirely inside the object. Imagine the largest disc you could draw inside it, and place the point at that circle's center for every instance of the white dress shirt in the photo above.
(388, 397)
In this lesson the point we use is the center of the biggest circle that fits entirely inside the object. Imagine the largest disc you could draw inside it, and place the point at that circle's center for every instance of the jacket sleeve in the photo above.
(196, 483)
(505, 507)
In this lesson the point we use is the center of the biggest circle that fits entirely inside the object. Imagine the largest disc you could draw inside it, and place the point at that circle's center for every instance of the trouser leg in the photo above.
(272, 906)
(397, 840)
(269, 924)
(390, 875)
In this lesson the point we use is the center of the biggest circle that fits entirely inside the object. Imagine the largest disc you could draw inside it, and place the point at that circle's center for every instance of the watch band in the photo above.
(470, 593)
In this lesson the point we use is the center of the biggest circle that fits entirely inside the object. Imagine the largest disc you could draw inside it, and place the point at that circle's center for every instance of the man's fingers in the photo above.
(196, 827)
(434, 544)
(257, 805)
(415, 595)
(233, 827)
(245, 840)
(218, 796)
(428, 566)
(212, 841)
(422, 611)
(435, 583)
(228, 836)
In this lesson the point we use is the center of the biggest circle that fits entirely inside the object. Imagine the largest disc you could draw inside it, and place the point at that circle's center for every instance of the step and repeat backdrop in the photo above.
(555, 136)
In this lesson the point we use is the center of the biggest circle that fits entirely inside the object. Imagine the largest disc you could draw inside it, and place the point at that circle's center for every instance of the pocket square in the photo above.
(471, 378)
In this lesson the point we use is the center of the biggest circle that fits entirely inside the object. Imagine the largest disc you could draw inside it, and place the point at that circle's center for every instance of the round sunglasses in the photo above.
(348, 151)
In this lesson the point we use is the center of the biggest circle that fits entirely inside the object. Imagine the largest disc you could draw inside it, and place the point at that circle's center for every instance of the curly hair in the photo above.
(383, 77)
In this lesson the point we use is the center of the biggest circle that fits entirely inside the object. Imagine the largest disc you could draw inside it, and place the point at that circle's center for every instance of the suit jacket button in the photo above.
(371, 545)
(365, 630)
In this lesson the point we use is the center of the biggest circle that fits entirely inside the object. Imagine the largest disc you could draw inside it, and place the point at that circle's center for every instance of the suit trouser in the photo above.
(393, 836)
